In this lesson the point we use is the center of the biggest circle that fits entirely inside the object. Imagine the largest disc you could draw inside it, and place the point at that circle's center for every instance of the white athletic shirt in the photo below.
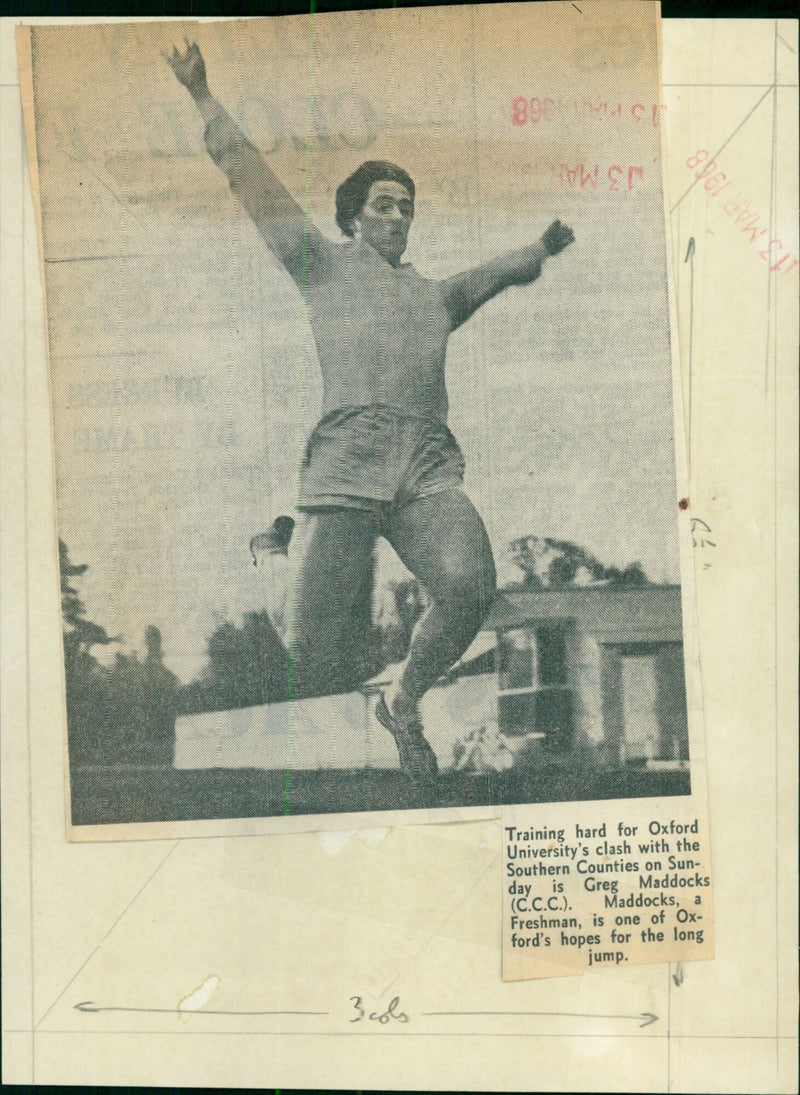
(381, 331)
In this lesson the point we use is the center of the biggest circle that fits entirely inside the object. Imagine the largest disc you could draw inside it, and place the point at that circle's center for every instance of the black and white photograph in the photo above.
(365, 415)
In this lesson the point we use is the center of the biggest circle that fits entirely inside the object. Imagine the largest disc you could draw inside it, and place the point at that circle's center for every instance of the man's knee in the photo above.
(469, 591)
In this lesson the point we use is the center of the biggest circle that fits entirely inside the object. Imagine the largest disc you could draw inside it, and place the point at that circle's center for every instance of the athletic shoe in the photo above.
(417, 759)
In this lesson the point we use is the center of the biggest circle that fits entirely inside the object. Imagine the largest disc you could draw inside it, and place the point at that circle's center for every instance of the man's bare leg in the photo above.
(443, 542)
(328, 638)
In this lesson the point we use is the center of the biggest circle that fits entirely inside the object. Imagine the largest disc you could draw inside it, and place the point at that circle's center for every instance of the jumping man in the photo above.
(382, 461)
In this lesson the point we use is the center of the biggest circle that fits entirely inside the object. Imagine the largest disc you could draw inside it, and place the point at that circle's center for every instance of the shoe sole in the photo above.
(389, 723)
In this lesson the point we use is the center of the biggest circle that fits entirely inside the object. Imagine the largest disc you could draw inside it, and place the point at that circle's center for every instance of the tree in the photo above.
(142, 705)
(556, 564)
(86, 693)
(80, 634)
(122, 714)
(247, 666)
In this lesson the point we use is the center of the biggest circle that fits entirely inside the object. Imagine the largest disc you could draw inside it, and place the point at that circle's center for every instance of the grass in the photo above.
(104, 795)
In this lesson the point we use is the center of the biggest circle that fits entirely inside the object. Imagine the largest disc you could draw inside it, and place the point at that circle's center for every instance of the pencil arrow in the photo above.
(647, 1016)
(89, 1005)
(690, 250)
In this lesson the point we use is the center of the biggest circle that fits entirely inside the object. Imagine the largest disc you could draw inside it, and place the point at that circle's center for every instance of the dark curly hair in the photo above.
(352, 194)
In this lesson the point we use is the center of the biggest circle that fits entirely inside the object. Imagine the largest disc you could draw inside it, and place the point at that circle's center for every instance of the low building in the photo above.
(593, 669)
(591, 673)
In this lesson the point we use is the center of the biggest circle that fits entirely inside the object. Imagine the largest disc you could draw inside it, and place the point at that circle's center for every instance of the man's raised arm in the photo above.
(298, 244)
(466, 292)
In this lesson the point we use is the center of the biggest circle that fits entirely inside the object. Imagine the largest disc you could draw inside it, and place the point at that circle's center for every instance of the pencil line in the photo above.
(730, 85)
(27, 622)
(410, 1034)
(690, 250)
(771, 215)
(772, 300)
(725, 144)
(120, 201)
(782, 39)
(544, 1014)
(88, 1006)
(83, 964)
(669, 1028)
(100, 258)
(442, 923)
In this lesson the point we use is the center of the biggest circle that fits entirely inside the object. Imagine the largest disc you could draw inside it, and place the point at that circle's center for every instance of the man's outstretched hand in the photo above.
(557, 237)
(189, 67)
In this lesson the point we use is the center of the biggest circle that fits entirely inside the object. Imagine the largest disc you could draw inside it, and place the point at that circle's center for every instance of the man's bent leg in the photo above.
(443, 542)
(329, 617)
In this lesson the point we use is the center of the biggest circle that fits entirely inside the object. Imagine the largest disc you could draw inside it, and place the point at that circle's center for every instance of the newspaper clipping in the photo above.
(367, 449)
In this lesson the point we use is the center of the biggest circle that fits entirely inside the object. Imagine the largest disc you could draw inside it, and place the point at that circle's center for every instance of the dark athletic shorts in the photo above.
(358, 456)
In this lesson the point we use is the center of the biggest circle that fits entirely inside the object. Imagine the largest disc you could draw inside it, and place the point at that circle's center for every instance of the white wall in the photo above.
(330, 732)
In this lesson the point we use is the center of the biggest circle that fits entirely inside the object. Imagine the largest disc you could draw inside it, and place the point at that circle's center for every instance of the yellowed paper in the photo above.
(604, 886)
(413, 913)
(530, 617)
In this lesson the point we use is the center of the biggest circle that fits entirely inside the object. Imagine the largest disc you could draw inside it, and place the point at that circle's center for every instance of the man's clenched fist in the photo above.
(557, 237)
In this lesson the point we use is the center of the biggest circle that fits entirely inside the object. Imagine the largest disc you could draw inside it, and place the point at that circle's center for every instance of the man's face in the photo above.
(386, 218)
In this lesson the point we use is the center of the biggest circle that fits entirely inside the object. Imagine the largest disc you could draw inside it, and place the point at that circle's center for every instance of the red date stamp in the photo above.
(581, 177)
(750, 224)
(532, 111)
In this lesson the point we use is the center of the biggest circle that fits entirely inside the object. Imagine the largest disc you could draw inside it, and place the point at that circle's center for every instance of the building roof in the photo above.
(646, 614)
